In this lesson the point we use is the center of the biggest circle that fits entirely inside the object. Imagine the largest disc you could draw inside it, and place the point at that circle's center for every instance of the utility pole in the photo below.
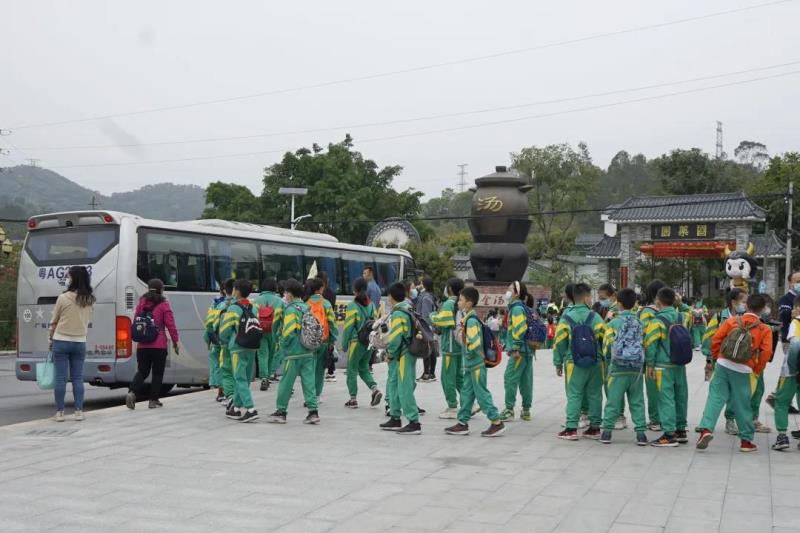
(462, 177)
(720, 152)
(33, 162)
(789, 230)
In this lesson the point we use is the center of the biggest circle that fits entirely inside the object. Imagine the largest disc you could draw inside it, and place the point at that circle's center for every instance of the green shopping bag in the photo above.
(46, 373)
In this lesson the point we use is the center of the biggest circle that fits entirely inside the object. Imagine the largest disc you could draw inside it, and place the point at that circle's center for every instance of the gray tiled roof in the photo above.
(608, 248)
(688, 208)
(775, 247)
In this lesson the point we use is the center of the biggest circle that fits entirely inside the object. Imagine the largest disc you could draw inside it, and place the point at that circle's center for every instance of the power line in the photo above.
(420, 68)
(416, 119)
(455, 128)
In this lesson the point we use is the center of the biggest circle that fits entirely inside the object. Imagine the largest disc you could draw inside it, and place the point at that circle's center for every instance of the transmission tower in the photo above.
(33, 162)
(94, 204)
(720, 152)
(462, 177)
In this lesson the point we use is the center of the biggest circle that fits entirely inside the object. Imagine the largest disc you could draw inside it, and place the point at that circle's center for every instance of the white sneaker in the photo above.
(79, 415)
(451, 413)
(621, 423)
(761, 428)
(731, 428)
(58, 417)
(583, 422)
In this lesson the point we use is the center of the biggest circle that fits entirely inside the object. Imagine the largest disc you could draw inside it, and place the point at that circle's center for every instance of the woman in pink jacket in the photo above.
(153, 355)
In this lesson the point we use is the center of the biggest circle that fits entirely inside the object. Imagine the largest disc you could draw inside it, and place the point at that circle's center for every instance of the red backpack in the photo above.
(266, 316)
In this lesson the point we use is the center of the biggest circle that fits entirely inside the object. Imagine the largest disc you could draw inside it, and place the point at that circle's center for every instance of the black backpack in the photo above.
(249, 333)
(143, 328)
(422, 343)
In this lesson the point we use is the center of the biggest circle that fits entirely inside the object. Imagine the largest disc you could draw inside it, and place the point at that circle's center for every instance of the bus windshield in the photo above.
(84, 245)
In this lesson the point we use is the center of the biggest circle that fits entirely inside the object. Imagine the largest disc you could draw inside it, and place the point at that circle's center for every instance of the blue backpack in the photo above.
(680, 342)
(536, 334)
(627, 350)
(143, 328)
(582, 342)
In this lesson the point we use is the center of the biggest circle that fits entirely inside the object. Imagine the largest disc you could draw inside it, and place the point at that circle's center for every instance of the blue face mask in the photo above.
(414, 293)
(796, 287)
(741, 308)
(605, 304)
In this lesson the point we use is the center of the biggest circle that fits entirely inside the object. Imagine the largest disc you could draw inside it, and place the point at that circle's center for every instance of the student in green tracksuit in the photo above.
(211, 337)
(624, 381)
(581, 382)
(519, 368)
(474, 387)
(298, 360)
(787, 384)
(269, 298)
(402, 367)
(319, 306)
(242, 359)
(670, 379)
(225, 365)
(699, 323)
(452, 370)
(358, 313)
(647, 314)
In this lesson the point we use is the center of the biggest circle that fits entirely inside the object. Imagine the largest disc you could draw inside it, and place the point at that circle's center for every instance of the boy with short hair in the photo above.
(211, 336)
(402, 367)
(298, 360)
(736, 374)
(451, 372)
(242, 359)
(226, 381)
(669, 378)
(647, 314)
(607, 298)
(323, 311)
(624, 380)
(474, 387)
(582, 382)
(269, 299)
(787, 383)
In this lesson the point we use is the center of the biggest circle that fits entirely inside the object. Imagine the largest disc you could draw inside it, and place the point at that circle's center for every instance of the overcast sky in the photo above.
(78, 59)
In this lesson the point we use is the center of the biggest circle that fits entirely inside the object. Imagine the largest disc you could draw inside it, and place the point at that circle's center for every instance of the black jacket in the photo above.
(785, 306)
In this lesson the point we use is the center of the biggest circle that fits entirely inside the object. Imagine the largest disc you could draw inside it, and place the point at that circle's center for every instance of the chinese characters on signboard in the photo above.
(682, 231)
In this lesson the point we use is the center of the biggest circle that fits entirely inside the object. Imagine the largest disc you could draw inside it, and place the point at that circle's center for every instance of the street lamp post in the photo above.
(294, 191)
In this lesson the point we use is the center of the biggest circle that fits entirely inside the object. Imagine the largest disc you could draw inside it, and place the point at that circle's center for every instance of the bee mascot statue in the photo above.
(740, 267)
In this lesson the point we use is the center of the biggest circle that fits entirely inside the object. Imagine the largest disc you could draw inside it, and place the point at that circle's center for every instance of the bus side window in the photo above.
(281, 262)
(178, 260)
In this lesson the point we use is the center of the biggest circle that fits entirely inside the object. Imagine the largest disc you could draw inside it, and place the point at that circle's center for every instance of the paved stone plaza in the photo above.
(187, 468)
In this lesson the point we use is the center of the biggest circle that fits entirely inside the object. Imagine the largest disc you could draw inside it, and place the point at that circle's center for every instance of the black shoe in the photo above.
(665, 441)
(278, 417)
(605, 437)
(154, 404)
(274, 378)
(458, 429)
(249, 416)
(782, 443)
(377, 396)
(130, 400)
(234, 413)
(793, 410)
(494, 430)
(352, 403)
(221, 396)
(412, 428)
(264, 384)
(312, 418)
(393, 424)
(681, 436)
(796, 434)
(386, 410)
(641, 439)
(421, 411)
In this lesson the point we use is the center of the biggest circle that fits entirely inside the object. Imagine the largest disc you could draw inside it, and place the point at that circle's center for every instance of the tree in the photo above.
(229, 201)
(694, 172)
(752, 153)
(625, 177)
(8, 298)
(430, 260)
(450, 204)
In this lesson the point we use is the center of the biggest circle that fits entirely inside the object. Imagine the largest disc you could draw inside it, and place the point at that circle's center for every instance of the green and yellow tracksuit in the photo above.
(452, 370)
(402, 366)
(214, 357)
(358, 355)
(670, 380)
(474, 387)
(297, 359)
(787, 384)
(699, 330)
(581, 382)
(268, 350)
(622, 382)
(647, 315)
(242, 359)
(321, 353)
(705, 348)
(225, 364)
(519, 372)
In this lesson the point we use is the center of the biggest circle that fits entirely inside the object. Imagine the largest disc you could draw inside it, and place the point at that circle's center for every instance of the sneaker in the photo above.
(432, 378)
(526, 415)
(393, 424)
(421, 411)
(621, 423)
(568, 434)
(78, 416)
(264, 384)
(412, 428)
(451, 413)
(793, 410)
(274, 378)
(591, 433)
(458, 429)
(782, 443)
(312, 418)
(233, 413)
(761, 428)
(770, 400)
(796, 434)
(229, 404)
(278, 417)
(330, 377)
(220, 396)
(583, 422)
(507, 415)
(423, 378)
(641, 439)
(352, 403)
(249, 416)
(748, 446)
(130, 400)
(475, 409)
(665, 441)
(731, 428)
(377, 396)
(494, 430)
(154, 404)
(705, 439)
(59, 416)
(605, 437)
(654, 426)
(682, 437)
(698, 429)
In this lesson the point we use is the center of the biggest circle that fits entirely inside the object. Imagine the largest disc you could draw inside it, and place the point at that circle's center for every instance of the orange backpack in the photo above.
(317, 308)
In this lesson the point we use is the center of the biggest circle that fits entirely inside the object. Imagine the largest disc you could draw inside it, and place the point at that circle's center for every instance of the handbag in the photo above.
(46, 373)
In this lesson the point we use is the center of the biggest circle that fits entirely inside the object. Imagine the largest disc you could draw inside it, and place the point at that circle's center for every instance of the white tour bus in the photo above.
(123, 252)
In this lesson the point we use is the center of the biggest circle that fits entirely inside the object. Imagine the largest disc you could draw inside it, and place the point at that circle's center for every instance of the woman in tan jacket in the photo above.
(71, 318)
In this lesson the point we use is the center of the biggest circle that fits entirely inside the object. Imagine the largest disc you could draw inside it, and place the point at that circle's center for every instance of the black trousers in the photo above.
(331, 361)
(429, 364)
(147, 359)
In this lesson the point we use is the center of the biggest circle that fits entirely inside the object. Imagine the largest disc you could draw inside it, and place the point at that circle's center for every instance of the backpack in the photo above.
(249, 333)
(379, 334)
(422, 343)
(366, 329)
(627, 350)
(317, 308)
(582, 342)
(697, 317)
(681, 347)
(536, 334)
(143, 328)
(492, 350)
(311, 330)
(266, 317)
(738, 344)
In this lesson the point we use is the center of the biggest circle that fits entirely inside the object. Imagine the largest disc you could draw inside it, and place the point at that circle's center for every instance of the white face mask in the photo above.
(509, 295)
